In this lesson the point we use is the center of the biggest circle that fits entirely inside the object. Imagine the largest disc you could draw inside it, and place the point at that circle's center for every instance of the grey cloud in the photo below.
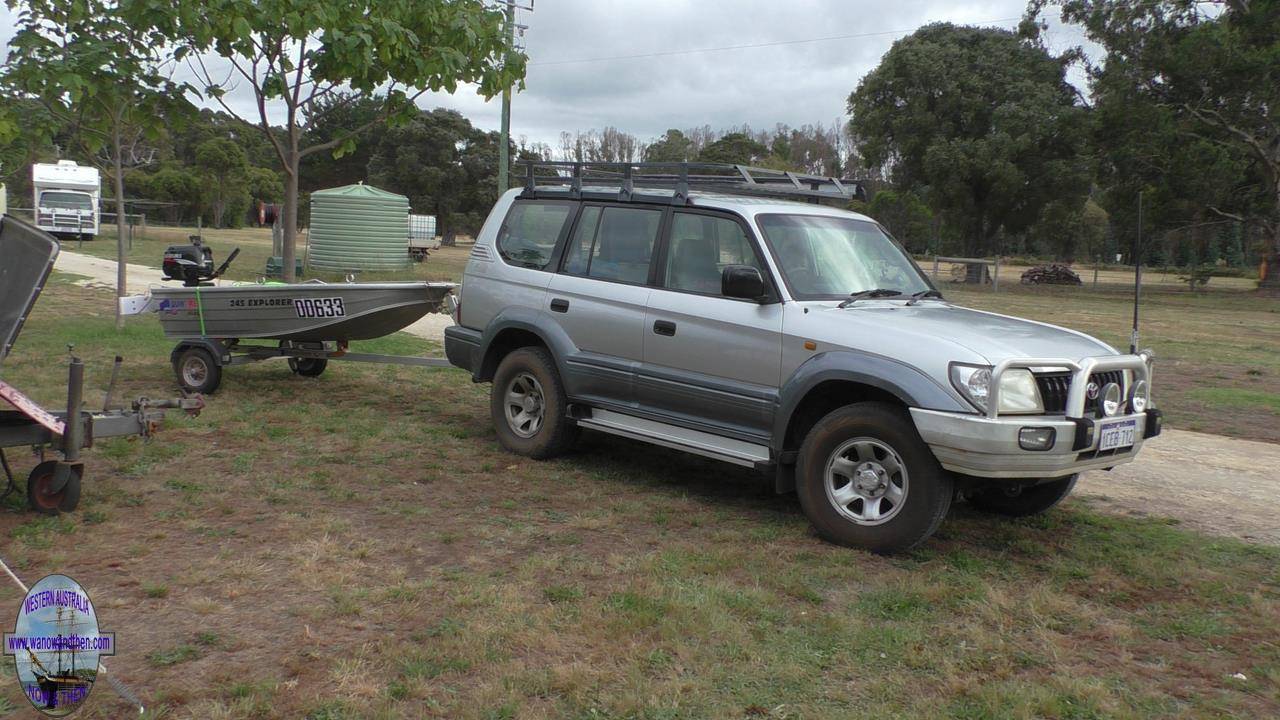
(791, 83)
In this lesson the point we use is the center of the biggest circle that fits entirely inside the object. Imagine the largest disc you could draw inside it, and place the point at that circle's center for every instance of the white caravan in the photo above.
(66, 199)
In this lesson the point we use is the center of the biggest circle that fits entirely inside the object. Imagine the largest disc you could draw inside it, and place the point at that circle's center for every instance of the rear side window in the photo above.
(529, 233)
(614, 243)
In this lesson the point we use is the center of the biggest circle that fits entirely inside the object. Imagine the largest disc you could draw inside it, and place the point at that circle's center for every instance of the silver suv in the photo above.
(791, 337)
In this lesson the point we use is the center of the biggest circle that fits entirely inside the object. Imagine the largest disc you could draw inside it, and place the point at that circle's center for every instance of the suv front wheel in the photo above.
(866, 479)
(528, 405)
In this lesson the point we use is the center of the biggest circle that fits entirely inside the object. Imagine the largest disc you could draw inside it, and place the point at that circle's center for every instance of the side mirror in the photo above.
(742, 281)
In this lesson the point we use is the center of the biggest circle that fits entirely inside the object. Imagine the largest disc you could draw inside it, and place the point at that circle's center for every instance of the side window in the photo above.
(529, 232)
(700, 248)
(578, 256)
(614, 243)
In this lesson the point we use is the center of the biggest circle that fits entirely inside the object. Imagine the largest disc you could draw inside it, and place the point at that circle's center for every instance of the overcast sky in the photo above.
(572, 85)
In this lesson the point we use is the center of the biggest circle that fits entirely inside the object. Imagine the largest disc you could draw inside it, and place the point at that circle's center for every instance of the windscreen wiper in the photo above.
(868, 294)
(918, 296)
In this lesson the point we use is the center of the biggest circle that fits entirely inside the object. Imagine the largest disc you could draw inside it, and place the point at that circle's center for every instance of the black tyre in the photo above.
(528, 405)
(308, 367)
(1016, 501)
(42, 499)
(197, 371)
(866, 479)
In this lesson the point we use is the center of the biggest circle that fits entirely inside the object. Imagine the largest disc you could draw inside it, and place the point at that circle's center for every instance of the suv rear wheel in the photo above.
(866, 479)
(528, 405)
(1021, 502)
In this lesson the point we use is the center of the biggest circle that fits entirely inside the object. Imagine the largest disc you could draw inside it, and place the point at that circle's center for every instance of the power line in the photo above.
(777, 43)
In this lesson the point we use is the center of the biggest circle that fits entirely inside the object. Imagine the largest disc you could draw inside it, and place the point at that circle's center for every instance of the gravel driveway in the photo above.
(1211, 483)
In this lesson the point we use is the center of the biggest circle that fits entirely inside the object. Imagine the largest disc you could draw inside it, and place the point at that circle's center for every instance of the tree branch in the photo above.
(1229, 216)
(381, 116)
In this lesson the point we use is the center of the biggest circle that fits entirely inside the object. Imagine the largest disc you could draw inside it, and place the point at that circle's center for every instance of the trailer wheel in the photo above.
(308, 367)
(197, 371)
(42, 500)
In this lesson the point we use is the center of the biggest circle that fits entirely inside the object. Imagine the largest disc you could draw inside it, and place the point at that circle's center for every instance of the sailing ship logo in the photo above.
(56, 644)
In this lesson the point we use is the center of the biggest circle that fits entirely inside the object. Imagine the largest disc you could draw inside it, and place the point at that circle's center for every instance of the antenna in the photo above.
(1137, 278)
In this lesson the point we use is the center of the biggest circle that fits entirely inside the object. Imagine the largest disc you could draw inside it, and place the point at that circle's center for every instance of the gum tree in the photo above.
(1188, 93)
(98, 76)
(302, 58)
(979, 121)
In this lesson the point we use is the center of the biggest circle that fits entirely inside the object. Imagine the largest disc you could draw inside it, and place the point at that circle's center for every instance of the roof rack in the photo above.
(595, 180)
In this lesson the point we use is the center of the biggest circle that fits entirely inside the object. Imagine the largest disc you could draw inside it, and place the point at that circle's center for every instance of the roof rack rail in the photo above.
(596, 180)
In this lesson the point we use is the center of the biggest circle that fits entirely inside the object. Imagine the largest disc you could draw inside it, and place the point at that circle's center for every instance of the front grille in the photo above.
(1054, 388)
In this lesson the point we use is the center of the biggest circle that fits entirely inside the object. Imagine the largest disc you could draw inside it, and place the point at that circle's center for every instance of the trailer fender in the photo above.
(216, 348)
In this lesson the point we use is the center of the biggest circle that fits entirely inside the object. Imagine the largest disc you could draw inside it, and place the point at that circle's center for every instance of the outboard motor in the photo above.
(193, 264)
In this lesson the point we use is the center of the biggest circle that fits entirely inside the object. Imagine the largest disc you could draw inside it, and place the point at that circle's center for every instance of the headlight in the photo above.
(974, 382)
(1018, 390)
(1138, 397)
(1109, 400)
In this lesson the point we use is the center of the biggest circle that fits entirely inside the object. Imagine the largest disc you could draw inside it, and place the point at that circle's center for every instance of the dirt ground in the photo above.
(1214, 484)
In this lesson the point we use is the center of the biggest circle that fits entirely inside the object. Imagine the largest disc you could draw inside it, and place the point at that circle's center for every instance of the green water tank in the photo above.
(358, 227)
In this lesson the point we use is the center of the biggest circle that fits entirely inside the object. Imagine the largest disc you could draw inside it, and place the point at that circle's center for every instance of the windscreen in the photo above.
(65, 200)
(831, 257)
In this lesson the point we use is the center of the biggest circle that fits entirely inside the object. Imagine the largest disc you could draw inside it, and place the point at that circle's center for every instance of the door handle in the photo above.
(559, 305)
(664, 327)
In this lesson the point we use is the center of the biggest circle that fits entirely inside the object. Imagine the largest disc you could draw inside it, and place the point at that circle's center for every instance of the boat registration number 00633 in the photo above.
(319, 307)
(1117, 434)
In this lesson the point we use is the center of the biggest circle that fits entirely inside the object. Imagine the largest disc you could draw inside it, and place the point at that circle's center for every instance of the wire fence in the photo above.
(135, 223)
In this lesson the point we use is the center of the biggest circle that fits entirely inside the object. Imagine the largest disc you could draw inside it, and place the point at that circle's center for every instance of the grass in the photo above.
(1225, 339)
(1239, 399)
(383, 558)
(255, 248)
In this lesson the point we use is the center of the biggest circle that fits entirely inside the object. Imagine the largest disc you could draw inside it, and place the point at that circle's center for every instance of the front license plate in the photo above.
(1117, 434)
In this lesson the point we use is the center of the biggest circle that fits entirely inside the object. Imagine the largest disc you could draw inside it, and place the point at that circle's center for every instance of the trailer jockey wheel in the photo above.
(40, 496)
(308, 367)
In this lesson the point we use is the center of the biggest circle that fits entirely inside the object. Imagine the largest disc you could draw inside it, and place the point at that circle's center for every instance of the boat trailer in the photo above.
(26, 259)
(198, 361)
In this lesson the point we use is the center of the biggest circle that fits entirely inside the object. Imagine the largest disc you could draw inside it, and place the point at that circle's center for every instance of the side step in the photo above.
(679, 438)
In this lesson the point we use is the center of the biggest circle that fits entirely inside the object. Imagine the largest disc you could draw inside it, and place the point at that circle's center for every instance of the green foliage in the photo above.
(1069, 229)
(905, 216)
(1186, 99)
(979, 122)
(224, 165)
(444, 165)
(98, 74)
(263, 184)
(736, 147)
(332, 117)
(672, 147)
(319, 57)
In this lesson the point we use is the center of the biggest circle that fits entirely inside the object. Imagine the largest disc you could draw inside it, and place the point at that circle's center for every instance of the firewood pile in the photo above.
(1054, 274)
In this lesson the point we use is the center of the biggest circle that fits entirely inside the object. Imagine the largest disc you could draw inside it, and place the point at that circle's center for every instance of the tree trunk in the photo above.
(290, 220)
(121, 256)
(1271, 258)
(1270, 281)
